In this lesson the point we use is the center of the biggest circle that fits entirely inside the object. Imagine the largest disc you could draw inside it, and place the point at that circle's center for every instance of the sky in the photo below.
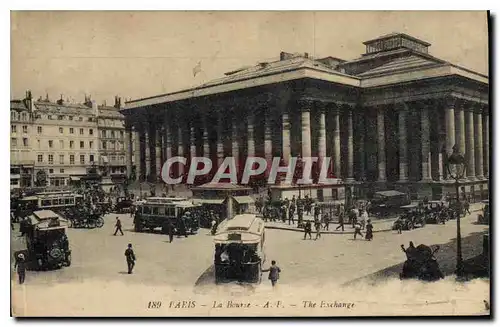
(140, 54)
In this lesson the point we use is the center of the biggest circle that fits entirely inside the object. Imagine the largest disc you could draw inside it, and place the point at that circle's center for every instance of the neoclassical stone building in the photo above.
(388, 119)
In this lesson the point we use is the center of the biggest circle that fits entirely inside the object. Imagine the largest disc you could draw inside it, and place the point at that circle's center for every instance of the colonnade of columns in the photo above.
(327, 129)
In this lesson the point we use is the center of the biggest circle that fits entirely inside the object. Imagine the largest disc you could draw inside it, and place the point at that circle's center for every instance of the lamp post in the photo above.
(456, 170)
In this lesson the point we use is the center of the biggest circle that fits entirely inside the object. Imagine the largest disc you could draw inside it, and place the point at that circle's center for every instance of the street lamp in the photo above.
(456, 170)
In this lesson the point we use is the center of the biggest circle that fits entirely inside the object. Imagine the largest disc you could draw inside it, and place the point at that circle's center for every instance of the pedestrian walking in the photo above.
(341, 221)
(213, 227)
(170, 230)
(274, 273)
(317, 212)
(130, 256)
(291, 213)
(317, 226)
(118, 226)
(307, 230)
(364, 218)
(369, 231)
(326, 221)
(467, 207)
(357, 230)
(20, 264)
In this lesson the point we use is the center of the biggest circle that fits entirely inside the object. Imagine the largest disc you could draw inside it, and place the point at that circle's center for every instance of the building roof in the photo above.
(66, 108)
(267, 68)
(362, 72)
(220, 186)
(18, 105)
(401, 64)
(110, 112)
(390, 35)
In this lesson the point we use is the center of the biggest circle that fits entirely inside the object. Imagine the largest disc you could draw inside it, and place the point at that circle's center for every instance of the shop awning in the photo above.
(209, 201)
(244, 199)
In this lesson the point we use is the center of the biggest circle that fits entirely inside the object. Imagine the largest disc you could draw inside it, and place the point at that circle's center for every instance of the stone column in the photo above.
(381, 164)
(426, 146)
(180, 147)
(268, 142)
(336, 143)
(250, 135)
(235, 148)
(449, 120)
(305, 107)
(128, 146)
(322, 136)
(470, 144)
(168, 140)
(192, 142)
(220, 140)
(287, 150)
(147, 147)
(350, 146)
(206, 143)
(486, 143)
(158, 153)
(137, 152)
(478, 137)
(460, 130)
(361, 144)
(403, 143)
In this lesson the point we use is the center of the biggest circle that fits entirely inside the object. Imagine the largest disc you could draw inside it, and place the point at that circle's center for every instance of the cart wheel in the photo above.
(100, 222)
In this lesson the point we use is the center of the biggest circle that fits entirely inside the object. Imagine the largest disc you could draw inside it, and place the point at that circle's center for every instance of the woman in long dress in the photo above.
(369, 231)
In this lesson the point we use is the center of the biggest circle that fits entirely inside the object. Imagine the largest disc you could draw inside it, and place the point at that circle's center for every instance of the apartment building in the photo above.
(22, 160)
(112, 150)
(52, 142)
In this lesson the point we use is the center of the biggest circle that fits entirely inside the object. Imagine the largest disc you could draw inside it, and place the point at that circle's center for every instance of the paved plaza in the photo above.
(337, 258)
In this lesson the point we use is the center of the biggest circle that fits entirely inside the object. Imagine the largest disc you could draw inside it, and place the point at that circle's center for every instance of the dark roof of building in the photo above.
(18, 105)
(67, 108)
(110, 112)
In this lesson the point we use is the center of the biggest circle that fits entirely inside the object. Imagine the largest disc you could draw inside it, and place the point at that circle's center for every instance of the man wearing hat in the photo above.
(118, 226)
(129, 254)
(20, 264)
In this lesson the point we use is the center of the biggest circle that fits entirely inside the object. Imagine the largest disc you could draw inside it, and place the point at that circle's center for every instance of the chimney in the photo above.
(95, 108)
(285, 55)
(29, 101)
(88, 101)
(118, 102)
(60, 101)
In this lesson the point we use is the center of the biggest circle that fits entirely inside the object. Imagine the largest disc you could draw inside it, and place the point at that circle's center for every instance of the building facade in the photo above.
(111, 130)
(388, 119)
(22, 160)
(60, 139)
